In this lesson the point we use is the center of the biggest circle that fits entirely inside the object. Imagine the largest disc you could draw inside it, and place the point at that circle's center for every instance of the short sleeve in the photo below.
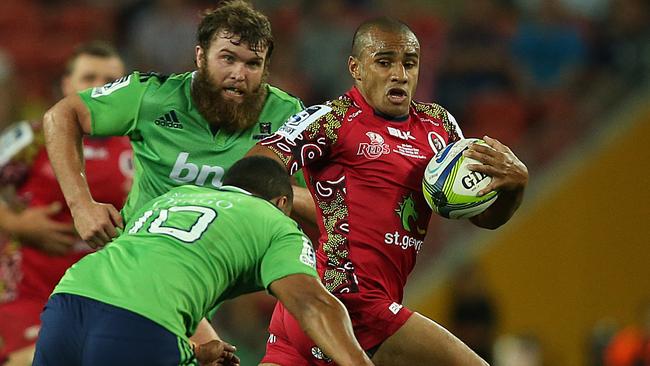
(114, 106)
(289, 253)
(305, 137)
(455, 133)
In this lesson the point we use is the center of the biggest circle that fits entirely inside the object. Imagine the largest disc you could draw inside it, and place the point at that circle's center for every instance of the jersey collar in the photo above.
(358, 98)
(235, 189)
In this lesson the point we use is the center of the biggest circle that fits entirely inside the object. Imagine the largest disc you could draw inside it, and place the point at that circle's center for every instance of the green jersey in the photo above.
(189, 250)
(172, 143)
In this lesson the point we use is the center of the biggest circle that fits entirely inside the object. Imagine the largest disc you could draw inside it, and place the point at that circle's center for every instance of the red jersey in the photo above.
(27, 275)
(108, 172)
(364, 171)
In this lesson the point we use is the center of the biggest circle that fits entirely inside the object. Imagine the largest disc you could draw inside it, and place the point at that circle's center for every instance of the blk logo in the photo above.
(404, 135)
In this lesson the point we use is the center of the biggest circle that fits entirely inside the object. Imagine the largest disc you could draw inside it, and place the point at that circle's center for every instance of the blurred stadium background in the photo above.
(564, 83)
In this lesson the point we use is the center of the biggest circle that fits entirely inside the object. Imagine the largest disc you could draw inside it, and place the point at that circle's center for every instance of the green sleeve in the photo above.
(114, 106)
(289, 253)
(300, 179)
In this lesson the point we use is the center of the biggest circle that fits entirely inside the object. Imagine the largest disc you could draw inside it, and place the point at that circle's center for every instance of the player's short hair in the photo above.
(238, 19)
(385, 24)
(261, 176)
(94, 48)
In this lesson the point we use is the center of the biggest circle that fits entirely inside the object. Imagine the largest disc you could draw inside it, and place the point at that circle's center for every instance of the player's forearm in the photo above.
(327, 323)
(7, 219)
(264, 151)
(204, 333)
(501, 210)
(304, 208)
(63, 140)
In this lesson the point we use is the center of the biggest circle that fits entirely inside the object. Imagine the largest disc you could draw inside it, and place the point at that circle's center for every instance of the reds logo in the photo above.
(375, 148)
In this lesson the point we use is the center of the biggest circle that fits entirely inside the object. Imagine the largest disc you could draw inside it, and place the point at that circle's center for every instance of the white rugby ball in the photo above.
(450, 188)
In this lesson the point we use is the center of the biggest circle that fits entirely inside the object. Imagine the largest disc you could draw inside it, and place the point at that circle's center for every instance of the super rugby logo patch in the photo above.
(111, 87)
(299, 122)
(307, 256)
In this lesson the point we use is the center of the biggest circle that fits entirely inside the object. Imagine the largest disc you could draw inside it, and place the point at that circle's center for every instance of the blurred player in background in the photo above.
(34, 215)
(184, 129)
(364, 155)
(182, 254)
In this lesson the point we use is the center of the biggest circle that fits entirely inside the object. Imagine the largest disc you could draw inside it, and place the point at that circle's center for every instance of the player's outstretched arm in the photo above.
(322, 317)
(64, 124)
(264, 151)
(304, 208)
(509, 177)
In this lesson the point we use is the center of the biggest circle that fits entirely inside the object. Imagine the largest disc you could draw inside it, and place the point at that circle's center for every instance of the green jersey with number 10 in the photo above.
(189, 250)
(172, 143)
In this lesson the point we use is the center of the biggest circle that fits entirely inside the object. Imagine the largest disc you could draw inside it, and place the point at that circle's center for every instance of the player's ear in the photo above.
(282, 202)
(199, 56)
(353, 68)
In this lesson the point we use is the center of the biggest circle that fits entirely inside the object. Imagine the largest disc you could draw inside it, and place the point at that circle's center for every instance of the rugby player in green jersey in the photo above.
(185, 128)
(182, 254)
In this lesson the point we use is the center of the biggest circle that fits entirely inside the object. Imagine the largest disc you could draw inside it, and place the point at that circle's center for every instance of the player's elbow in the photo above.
(69, 115)
(317, 306)
(48, 118)
(318, 303)
(490, 221)
(476, 220)
(489, 225)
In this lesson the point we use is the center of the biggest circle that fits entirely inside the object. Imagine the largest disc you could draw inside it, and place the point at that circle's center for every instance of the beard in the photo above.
(223, 113)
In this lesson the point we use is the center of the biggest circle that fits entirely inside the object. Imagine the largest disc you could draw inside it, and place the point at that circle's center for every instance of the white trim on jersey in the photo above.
(300, 121)
(14, 139)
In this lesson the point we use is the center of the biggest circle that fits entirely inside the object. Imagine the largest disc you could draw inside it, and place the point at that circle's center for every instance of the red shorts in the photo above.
(19, 318)
(19, 324)
(374, 319)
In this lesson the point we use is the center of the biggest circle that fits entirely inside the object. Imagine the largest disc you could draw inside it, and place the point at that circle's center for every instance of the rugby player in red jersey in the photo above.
(38, 218)
(364, 155)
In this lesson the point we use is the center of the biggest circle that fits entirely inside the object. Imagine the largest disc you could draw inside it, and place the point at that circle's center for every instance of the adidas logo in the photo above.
(169, 119)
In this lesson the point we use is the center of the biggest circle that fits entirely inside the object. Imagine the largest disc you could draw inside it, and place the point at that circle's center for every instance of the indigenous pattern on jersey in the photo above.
(172, 143)
(20, 143)
(189, 250)
(109, 169)
(365, 174)
(31, 183)
(28, 275)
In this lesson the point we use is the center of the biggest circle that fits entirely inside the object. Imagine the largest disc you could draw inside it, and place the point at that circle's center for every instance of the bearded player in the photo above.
(185, 129)
(364, 155)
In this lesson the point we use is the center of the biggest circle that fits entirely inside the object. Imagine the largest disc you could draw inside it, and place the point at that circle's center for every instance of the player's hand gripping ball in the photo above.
(450, 188)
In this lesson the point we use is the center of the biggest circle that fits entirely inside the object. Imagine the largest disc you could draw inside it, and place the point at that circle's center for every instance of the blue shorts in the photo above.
(77, 330)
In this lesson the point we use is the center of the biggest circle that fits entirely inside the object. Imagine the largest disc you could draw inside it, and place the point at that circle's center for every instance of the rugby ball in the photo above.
(450, 188)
